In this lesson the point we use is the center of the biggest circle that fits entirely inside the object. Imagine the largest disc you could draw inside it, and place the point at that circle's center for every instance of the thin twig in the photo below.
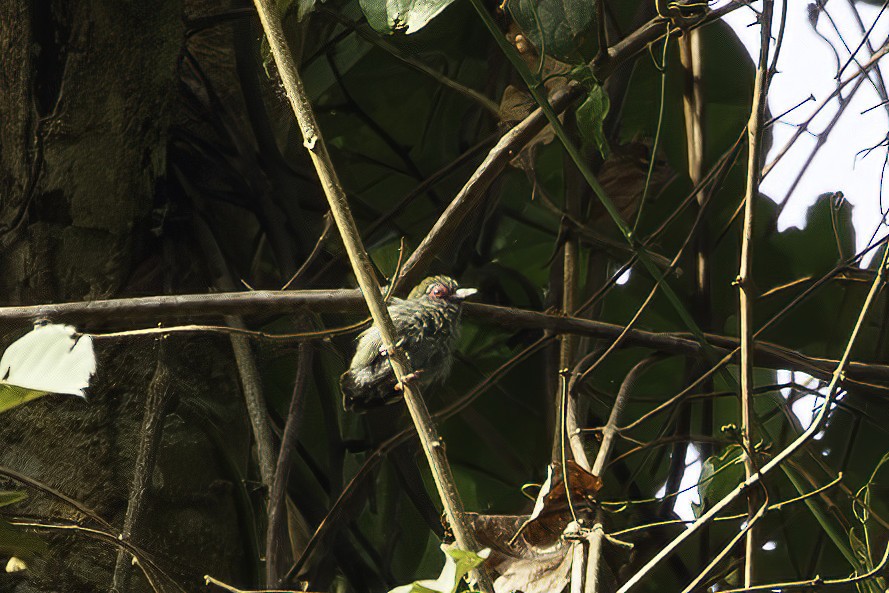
(141, 559)
(50, 491)
(157, 399)
(334, 515)
(745, 281)
(802, 128)
(818, 581)
(769, 355)
(277, 514)
(608, 434)
(470, 196)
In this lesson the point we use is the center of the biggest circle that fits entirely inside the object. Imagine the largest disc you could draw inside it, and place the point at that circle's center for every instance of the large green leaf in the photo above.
(406, 16)
(591, 116)
(557, 28)
(15, 542)
(12, 396)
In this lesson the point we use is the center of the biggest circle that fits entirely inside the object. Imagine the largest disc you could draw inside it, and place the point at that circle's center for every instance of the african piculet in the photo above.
(427, 325)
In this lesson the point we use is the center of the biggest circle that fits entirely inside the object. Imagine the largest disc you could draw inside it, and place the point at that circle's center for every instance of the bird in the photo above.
(427, 325)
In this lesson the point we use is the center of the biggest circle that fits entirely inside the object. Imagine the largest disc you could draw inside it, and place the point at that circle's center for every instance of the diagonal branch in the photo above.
(470, 196)
(431, 442)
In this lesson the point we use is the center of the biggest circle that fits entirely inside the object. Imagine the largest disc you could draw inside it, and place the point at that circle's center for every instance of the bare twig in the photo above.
(245, 362)
(818, 581)
(802, 128)
(334, 515)
(470, 196)
(146, 564)
(431, 442)
(277, 531)
(609, 432)
(50, 491)
(157, 399)
(745, 281)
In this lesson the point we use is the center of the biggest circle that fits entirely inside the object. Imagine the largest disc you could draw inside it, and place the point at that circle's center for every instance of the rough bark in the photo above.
(87, 93)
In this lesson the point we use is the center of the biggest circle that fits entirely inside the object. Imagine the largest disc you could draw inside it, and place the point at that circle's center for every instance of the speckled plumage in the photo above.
(428, 327)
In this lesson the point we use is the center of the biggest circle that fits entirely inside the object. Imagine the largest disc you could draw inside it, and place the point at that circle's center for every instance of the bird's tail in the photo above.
(360, 398)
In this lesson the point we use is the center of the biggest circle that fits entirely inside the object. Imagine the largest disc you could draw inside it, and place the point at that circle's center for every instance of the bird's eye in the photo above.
(439, 292)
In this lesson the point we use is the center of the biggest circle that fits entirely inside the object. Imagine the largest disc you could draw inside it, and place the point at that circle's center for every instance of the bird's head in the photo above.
(441, 289)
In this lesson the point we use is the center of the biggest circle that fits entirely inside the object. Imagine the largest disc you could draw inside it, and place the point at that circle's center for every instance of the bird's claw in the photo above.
(409, 378)
(384, 350)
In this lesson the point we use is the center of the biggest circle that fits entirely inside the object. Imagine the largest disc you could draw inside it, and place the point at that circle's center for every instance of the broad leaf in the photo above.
(458, 563)
(407, 16)
(556, 27)
(12, 396)
(49, 359)
(591, 116)
(720, 475)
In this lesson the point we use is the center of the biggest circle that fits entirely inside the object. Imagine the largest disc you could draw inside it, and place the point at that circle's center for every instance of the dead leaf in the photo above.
(622, 176)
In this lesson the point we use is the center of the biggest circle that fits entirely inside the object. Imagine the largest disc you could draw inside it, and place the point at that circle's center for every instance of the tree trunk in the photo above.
(87, 93)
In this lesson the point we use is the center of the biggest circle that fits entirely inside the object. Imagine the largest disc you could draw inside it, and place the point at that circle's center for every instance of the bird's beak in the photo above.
(463, 293)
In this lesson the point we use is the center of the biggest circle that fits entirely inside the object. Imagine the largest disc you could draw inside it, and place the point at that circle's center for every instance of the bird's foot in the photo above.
(409, 378)
(384, 350)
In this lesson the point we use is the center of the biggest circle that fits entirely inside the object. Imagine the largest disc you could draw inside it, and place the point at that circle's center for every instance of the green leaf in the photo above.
(465, 562)
(458, 563)
(8, 497)
(591, 116)
(719, 476)
(15, 542)
(406, 16)
(12, 396)
(556, 27)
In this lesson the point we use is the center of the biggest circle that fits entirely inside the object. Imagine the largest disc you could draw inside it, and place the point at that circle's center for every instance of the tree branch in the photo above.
(277, 534)
(268, 302)
(745, 281)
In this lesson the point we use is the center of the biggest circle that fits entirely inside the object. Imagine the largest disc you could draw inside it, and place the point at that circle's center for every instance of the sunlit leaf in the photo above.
(406, 16)
(458, 564)
(50, 359)
(719, 476)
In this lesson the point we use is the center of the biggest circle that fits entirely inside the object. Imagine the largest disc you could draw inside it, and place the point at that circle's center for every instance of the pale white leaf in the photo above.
(52, 358)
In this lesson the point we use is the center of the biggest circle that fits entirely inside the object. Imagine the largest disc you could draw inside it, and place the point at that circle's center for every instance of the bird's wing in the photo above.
(367, 351)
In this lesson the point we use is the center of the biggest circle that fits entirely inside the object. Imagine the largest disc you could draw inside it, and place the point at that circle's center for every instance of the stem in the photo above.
(157, 400)
(277, 529)
(609, 432)
(745, 282)
(431, 442)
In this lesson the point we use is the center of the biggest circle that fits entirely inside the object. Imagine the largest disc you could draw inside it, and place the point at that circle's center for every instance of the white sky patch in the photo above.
(683, 501)
(623, 278)
(807, 66)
